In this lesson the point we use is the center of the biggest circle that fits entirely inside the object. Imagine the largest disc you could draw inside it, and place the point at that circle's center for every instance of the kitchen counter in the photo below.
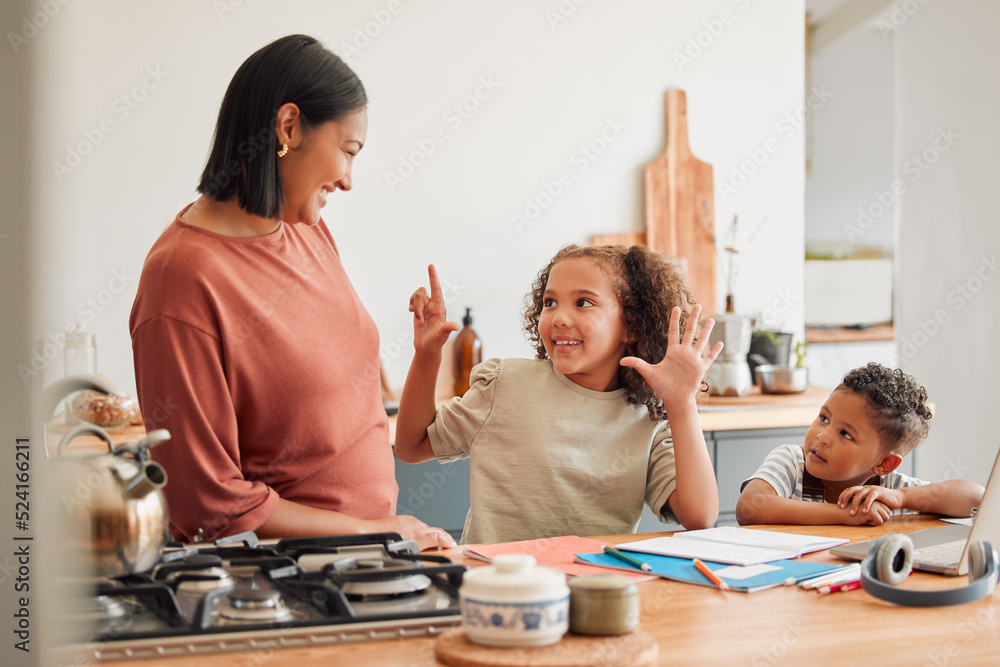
(739, 432)
(756, 411)
(718, 413)
(700, 625)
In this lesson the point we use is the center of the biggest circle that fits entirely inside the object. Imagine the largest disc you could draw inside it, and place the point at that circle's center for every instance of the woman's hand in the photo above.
(431, 327)
(412, 528)
(677, 378)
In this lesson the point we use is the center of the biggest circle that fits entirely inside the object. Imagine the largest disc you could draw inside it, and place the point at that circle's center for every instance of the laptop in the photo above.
(945, 549)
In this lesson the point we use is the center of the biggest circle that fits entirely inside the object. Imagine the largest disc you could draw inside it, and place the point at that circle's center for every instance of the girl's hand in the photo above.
(677, 378)
(431, 327)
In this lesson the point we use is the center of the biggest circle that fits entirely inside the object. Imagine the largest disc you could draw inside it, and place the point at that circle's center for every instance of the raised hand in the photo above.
(677, 378)
(431, 327)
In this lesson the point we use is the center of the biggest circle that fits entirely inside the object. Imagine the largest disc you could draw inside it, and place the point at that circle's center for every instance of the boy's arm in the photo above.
(760, 504)
(953, 497)
(417, 405)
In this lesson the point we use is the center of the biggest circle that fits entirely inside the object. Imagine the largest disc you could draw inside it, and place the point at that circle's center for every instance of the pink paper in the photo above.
(557, 552)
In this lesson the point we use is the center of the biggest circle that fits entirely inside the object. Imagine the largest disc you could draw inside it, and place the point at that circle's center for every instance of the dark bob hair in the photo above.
(244, 158)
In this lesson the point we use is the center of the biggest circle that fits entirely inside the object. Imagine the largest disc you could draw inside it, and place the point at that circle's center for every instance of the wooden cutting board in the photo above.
(679, 207)
(635, 649)
(680, 204)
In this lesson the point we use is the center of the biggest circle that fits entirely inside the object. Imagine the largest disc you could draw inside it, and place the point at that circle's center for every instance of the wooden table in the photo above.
(780, 626)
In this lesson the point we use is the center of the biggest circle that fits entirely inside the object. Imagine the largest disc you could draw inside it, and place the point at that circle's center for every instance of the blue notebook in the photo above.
(743, 579)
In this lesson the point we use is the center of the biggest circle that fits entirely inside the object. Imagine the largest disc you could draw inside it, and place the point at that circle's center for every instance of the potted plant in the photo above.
(768, 346)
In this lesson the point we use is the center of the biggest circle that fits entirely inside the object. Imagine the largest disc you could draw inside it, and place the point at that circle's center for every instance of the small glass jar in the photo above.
(603, 604)
(79, 357)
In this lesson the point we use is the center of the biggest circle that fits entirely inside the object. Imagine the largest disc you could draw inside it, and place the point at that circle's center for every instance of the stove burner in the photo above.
(98, 608)
(256, 606)
(372, 590)
(199, 573)
(382, 563)
(331, 590)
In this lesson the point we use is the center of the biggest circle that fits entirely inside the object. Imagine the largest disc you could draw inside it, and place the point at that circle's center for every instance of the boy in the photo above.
(846, 466)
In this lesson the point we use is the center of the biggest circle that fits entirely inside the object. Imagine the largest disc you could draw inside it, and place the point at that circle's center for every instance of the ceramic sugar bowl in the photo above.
(514, 602)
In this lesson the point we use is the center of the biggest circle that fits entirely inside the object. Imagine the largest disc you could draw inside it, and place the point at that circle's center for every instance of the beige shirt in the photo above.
(549, 457)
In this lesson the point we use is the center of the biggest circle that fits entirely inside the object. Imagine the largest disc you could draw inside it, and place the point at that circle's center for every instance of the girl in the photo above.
(571, 443)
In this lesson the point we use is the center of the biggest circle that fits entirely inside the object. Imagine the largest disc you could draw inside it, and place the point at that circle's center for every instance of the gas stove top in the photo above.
(238, 594)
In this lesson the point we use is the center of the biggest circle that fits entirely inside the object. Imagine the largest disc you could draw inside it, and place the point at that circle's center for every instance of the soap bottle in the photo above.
(468, 353)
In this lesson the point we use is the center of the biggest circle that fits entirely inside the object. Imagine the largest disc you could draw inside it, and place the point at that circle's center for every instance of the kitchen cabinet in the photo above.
(436, 493)
(738, 454)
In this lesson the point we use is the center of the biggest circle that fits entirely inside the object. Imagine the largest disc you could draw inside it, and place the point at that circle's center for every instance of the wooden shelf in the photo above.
(875, 332)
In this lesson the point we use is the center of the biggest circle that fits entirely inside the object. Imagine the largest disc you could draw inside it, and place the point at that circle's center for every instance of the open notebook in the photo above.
(742, 579)
(732, 545)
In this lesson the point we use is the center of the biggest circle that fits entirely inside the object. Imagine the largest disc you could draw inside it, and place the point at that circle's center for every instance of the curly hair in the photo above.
(647, 287)
(897, 406)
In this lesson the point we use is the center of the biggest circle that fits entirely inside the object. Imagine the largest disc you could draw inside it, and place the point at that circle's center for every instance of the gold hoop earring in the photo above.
(283, 150)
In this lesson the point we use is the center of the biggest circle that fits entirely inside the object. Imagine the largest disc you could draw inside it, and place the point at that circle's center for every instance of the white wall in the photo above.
(849, 197)
(949, 239)
(559, 82)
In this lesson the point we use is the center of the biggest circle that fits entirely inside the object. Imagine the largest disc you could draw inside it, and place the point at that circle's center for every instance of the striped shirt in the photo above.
(784, 469)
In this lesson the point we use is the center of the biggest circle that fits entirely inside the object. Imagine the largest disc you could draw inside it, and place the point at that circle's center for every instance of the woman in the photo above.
(251, 346)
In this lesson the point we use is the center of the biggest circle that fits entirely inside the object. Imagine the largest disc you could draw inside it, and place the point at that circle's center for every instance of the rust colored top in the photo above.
(259, 358)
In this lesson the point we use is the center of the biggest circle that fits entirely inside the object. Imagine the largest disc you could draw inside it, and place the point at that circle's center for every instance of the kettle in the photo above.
(113, 497)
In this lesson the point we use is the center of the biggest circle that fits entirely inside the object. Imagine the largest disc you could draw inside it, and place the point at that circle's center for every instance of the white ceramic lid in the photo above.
(515, 575)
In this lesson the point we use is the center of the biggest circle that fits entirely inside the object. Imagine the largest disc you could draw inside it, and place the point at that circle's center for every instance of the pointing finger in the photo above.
(432, 275)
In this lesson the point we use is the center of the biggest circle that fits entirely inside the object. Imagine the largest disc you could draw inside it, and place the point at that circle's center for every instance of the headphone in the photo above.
(890, 561)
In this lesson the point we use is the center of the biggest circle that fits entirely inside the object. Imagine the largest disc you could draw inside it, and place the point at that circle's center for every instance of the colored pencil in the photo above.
(712, 576)
(611, 551)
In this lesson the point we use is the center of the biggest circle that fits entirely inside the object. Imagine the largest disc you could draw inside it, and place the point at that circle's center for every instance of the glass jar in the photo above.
(108, 411)
(79, 357)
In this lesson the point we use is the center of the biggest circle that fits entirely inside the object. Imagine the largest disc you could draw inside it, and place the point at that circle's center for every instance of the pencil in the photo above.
(845, 586)
(611, 551)
(714, 578)
(846, 572)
